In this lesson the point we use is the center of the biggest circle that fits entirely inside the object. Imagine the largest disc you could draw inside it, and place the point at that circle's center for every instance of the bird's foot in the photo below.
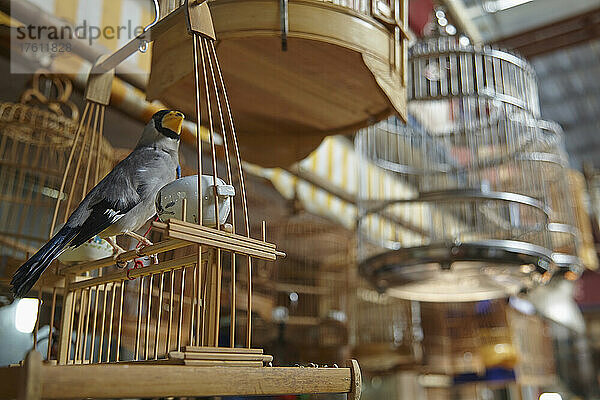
(146, 242)
(143, 240)
(118, 251)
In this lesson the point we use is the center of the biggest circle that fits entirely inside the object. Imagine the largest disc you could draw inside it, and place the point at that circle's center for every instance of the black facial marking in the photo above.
(157, 118)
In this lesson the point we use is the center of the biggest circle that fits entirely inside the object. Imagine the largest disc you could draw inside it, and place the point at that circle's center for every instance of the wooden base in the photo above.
(35, 380)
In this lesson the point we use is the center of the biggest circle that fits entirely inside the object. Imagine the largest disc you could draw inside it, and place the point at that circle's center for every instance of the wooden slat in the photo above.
(226, 238)
(180, 355)
(220, 363)
(201, 239)
(136, 273)
(131, 381)
(223, 233)
(209, 349)
(157, 248)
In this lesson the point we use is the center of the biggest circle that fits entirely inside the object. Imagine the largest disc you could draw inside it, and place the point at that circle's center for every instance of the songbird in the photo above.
(121, 203)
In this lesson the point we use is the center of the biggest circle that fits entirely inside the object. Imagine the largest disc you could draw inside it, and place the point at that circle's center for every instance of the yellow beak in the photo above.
(173, 121)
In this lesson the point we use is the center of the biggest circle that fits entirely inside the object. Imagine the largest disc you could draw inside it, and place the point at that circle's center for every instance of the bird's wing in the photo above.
(112, 198)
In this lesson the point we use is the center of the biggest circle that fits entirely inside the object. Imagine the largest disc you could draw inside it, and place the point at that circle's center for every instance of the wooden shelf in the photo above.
(35, 380)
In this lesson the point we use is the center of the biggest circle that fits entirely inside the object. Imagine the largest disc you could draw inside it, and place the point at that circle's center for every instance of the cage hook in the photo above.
(144, 45)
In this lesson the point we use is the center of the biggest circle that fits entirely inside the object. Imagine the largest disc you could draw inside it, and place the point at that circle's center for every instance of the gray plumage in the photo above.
(121, 202)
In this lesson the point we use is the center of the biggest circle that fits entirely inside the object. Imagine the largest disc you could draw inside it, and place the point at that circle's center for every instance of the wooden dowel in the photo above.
(233, 303)
(87, 324)
(117, 358)
(196, 41)
(139, 320)
(200, 298)
(77, 166)
(235, 143)
(217, 310)
(211, 130)
(110, 321)
(249, 299)
(79, 326)
(148, 315)
(94, 324)
(170, 325)
(180, 319)
(37, 319)
(101, 347)
(70, 332)
(99, 146)
(91, 152)
(203, 327)
(160, 300)
(68, 167)
(51, 325)
(193, 305)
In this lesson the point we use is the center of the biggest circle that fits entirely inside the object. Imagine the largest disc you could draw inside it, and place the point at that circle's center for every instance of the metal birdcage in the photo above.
(453, 206)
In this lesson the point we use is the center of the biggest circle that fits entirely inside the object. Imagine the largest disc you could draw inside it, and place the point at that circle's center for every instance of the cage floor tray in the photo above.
(458, 272)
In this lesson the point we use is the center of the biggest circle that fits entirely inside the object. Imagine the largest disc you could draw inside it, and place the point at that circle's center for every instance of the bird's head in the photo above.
(164, 129)
(168, 123)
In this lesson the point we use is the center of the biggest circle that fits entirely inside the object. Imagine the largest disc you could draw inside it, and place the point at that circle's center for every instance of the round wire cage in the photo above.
(458, 188)
(36, 138)
(471, 81)
(418, 213)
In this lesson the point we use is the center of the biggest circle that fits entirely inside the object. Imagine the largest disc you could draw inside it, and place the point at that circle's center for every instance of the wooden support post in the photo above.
(212, 297)
(30, 385)
(66, 322)
(356, 384)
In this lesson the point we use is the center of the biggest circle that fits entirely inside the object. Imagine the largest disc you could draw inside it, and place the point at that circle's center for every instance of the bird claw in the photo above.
(145, 242)
(116, 254)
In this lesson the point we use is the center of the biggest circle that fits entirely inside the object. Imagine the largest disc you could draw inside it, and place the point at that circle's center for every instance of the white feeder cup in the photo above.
(169, 200)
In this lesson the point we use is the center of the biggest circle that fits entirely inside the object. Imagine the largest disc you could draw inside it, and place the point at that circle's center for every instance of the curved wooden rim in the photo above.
(336, 35)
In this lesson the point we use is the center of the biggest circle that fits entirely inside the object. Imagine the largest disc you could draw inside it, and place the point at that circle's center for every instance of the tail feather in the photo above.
(29, 273)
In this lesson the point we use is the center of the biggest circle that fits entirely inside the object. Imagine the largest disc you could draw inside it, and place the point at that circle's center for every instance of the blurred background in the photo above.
(451, 248)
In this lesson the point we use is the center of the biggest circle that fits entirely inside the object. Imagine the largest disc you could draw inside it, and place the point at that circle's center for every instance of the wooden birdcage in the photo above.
(580, 198)
(464, 338)
(386, 331)
(311, 285)
(449, 338)
(564, 231)
(153, 329)
(37, 136)
(343, 66)
(536, 365)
